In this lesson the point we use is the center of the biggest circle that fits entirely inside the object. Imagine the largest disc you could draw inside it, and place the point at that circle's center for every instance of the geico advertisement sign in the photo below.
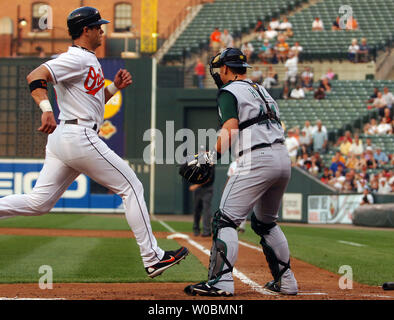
(20, 176)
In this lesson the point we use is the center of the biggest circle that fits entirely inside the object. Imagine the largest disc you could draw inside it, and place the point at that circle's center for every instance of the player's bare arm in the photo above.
(122, 80)
(40, 96)
(226, 136)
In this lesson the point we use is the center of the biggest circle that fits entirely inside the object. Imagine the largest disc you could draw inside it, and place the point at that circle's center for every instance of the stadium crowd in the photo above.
(358, 166)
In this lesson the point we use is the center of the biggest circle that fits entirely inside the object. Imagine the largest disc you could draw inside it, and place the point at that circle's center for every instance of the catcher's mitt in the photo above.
(196, 171)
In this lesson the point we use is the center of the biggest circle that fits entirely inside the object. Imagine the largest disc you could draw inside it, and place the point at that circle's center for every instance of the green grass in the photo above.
(72, 221)
(371, 264)
(76, 259)
(118, 260)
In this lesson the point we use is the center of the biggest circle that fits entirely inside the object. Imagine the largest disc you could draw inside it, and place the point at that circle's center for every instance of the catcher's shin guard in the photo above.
(218, 262)
(277, 267)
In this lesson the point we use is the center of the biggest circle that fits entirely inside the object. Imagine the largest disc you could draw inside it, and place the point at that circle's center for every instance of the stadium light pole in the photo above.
(153, 140)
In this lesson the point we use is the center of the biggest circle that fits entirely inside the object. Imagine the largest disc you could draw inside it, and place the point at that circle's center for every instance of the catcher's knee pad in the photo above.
(263, 229)
(218, 262)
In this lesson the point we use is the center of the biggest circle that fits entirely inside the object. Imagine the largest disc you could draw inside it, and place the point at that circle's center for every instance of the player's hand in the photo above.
(122, 79)
(194, 187)
(48, 123)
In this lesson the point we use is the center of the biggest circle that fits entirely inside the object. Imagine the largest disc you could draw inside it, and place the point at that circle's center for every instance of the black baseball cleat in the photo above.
(274, 287)
(169, 259)
(204, 289)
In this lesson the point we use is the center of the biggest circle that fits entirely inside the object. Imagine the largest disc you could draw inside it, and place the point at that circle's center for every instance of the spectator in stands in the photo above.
(338, 155)
(314, 169)
(367, 198)
(285, 24)
(320, 139)
(282, 48)
(319, 160)
(316, 126)
(337, 181)
(330, 74)
(384, 127)
(305, 142)
(317, 24)
(337, 163)
(388, 97)
(357, 147)
(325, 84)
(353, 51)
(319, 93)
(344, 147)
(215, 42)
(387, 115)
(379, 103)
(274, 24)
(257, 75)
(199, 71)
(373, 96)
(270, 78)
(384, 187)
(291, 66)
(259, 27)
(369, 145)
(369, 159)
(381, 158)
(288, 33)
(347, 137)
(371, 127)
(327, 176)
(348, 183)
(297, 49)
(307, 79)
(353, 162)
(292, 146)
(335, 25)
(308, 129)
(226, 39)
(264, 52)
(351, 23)
(364, 51)
(297, 93)
(374, 186)
(304, 162)
(248, 49)
(270, 33)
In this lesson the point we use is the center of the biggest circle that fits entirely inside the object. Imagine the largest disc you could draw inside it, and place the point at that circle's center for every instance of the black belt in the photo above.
(75, 121)
(261, 145)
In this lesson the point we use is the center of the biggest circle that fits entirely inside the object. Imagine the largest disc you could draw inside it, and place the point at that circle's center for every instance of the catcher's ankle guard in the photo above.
(263, 229)
(218, 258)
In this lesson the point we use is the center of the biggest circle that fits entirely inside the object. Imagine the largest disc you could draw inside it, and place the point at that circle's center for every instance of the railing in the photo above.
(181, 16)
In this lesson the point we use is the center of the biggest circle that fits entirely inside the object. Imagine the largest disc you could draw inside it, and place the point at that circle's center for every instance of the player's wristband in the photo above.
(112, 89)
(45, 106)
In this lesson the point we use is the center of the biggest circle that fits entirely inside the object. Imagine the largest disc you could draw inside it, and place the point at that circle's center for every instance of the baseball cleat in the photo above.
(204, 289)
(169, 259)
(274, 287)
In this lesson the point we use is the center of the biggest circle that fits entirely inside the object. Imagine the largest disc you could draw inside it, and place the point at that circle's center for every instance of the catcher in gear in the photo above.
(249, 116)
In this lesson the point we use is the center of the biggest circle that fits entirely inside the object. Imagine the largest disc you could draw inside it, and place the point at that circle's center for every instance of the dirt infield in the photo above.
(314, 283)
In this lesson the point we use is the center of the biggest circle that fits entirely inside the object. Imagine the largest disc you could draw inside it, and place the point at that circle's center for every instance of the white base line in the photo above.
(354, 244)
(241, 276)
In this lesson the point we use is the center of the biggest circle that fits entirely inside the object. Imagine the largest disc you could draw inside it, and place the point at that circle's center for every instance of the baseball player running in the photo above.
(248, 112)
(73, 146)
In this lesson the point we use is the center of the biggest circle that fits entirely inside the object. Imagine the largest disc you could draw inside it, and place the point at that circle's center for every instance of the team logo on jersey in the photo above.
(94, 81)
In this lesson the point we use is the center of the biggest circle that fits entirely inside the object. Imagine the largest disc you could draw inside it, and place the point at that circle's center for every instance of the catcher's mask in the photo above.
(231, 57)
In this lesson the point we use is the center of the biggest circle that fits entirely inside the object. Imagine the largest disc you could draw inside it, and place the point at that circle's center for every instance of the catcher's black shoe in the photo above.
(204, 289)
(274, 287)
(170, 258)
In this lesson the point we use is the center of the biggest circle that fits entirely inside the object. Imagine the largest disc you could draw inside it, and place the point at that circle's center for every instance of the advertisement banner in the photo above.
(292, 206)
(19, 177)
(332, 208)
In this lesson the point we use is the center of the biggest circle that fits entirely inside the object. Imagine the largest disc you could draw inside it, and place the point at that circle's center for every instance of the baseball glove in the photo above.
(198, 170)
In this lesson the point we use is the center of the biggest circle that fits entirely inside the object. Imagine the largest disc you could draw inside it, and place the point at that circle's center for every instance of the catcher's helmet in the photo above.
(83, 17)
(231, 57)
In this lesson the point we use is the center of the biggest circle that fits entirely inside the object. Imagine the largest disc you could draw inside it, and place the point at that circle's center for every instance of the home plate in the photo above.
(178, 236)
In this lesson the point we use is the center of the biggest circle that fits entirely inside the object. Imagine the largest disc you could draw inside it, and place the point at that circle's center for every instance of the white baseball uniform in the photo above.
(76, 148)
